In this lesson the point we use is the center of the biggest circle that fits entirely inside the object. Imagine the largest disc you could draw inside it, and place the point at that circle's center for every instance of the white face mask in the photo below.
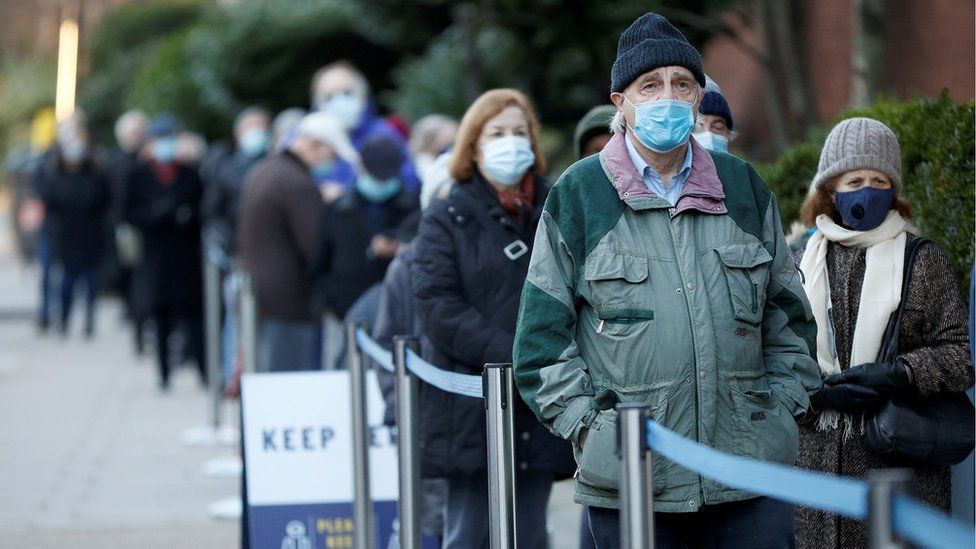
(506, 159)
(712, 141)
(346, 107)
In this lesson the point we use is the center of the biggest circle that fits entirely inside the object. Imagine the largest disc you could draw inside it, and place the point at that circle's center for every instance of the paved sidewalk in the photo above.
(90, 452)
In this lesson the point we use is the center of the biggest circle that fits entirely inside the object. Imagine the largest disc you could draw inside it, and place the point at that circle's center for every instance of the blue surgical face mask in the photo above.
(712, 141)
(164, 149)
(346, 107)
(506, 159)
(254, 142)
(376, 190)
(866, 208)
(323, 170)
(662, 125)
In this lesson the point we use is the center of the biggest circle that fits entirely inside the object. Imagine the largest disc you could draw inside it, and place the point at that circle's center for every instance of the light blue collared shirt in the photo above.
(653, 179)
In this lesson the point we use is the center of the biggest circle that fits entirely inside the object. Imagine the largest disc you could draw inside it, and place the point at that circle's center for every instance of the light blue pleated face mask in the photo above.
(662, 125)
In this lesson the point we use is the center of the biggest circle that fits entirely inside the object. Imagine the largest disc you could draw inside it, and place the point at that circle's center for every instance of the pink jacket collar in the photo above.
(702, 191)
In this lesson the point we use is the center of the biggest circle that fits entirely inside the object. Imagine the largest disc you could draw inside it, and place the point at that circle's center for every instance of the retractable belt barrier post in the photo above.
(407, 394)
(636, 501)
(212, 308)
(883, 485)
(249, 323)
(362, 502)
(500, 404)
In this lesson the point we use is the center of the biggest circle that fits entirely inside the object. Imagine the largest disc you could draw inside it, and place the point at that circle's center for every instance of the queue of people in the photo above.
(655, 271)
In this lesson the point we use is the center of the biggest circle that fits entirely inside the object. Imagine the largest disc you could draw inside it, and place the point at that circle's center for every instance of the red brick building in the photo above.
(928, 45)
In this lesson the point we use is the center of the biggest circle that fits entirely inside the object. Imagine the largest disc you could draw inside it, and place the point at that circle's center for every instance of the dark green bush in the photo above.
(936, 138)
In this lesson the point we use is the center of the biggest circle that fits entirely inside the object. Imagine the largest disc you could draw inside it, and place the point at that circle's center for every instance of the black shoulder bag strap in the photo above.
(514, 247)
(889, 342)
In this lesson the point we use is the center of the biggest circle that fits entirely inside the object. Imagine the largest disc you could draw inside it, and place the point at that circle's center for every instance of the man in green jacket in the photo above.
(660, 275)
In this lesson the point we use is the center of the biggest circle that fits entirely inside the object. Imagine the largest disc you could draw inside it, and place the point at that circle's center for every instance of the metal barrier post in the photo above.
(249, 324)
(212, 309)
(408, 444)
(499, 403)
(362, 502)
(636, 491)
(883, 485)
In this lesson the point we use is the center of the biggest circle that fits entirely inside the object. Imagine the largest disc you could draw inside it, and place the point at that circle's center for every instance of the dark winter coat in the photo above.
(933, 341)
(467, 298)
(168, 217)
(396, 315)
(345, 265)
(76, 205)
(223, 177)
(277, 235)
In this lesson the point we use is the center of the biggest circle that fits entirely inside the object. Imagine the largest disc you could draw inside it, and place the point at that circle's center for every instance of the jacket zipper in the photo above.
(755, 292)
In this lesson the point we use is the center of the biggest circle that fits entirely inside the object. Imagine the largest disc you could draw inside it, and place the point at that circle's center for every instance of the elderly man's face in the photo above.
(660, 83)
(337, 81)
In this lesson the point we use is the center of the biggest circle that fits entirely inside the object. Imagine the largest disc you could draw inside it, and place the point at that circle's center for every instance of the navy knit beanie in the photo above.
(651, 42)
(715, 103)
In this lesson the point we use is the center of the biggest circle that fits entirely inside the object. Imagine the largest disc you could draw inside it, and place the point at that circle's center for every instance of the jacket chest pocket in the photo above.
(619, 291)
(746, 269)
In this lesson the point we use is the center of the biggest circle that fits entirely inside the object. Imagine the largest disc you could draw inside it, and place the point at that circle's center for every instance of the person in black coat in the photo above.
(75, 193)
(472, 255)
(164, 205)
(358, 233)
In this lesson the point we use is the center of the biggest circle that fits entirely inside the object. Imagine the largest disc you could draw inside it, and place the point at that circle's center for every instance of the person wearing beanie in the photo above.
(855, 267)
(714, 129)
(593, 131)
(357, 236)
(660, 275)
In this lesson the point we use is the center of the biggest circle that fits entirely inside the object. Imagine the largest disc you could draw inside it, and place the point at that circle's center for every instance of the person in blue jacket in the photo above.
(341, 90)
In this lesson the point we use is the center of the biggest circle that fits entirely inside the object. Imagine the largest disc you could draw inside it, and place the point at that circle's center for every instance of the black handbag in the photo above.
(914, 431)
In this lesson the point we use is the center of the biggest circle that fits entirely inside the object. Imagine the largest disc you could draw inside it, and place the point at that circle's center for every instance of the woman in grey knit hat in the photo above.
(853, 270)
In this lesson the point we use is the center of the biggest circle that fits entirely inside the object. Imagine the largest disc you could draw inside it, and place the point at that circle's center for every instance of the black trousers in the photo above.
(167, 321)
(760, 523)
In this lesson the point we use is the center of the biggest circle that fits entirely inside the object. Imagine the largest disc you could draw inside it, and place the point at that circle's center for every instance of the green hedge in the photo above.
(936, 138)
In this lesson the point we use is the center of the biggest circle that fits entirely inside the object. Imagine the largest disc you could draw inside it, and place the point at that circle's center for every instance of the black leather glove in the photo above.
(887, 378)
(847, 398)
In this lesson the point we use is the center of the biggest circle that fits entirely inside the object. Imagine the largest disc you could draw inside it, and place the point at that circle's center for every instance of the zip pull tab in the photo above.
(755, 293)
(599, 328)
(671, 211)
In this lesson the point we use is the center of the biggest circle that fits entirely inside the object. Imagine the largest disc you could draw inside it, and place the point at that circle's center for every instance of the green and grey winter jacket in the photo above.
(695, 310)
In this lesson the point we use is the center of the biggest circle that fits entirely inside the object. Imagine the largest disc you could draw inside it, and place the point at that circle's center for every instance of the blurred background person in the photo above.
(130, 137)
(283, 127)
(223, 177)
(472, 254)
(432, 136)
(714, 124)
(76, 198)
(853, 268)
(190, 149)
(277, 236)
(164, 205)
(593, 131)
(358, 232)
(341, 90)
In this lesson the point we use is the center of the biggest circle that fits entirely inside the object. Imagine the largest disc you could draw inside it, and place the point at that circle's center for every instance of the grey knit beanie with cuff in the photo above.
(859, 144)
(651, 42)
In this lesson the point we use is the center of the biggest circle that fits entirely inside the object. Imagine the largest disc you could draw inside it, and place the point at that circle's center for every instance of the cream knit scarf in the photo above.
(880, 293)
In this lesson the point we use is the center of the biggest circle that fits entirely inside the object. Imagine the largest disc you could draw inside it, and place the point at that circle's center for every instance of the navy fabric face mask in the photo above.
(864, 209)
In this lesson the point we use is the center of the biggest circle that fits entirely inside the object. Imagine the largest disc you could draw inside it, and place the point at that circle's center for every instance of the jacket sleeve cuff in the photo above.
(794, 398)
(579, 414)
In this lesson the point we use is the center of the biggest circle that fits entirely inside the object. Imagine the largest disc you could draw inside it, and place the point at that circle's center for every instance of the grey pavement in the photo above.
(90, 450)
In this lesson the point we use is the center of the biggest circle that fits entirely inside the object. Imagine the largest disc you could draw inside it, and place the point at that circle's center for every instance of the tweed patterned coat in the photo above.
(934, 342)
